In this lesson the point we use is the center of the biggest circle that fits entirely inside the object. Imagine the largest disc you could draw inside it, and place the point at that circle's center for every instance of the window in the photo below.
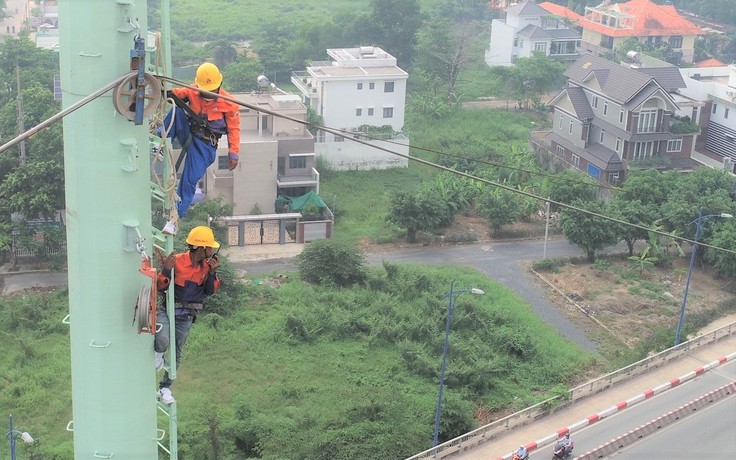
(575, 160)
(521, 43)
(618, 145)
(388, 87)
(388, 112)
(642, 150)
(594, 102)
(540, 46)
(570, 129)
(715, 107)
(360, 86)
(621, 116)
(297, 162)
(561, 151)
(339, 138)
(223, 162)
(674, 145)
(605, 108)
(602, 139)
(560, 122)
(371, 85)
(358, 112)
(516, 42)
(370, 112)
(675, 41)
(613, 177)
(725, 113)
(647, 121)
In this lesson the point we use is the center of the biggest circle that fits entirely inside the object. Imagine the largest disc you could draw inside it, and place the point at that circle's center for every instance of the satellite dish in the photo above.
(262, 81)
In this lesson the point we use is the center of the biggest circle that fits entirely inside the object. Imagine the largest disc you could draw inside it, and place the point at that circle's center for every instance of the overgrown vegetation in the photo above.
(312, 371)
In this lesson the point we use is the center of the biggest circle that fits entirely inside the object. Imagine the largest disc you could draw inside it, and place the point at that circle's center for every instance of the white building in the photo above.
(717, 87)
(530, 28)
(359, 87)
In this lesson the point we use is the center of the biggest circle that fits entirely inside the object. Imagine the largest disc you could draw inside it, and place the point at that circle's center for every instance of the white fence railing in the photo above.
(574, 395)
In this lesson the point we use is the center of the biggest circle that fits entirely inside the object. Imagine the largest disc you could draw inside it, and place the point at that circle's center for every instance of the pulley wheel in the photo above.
(123, 96)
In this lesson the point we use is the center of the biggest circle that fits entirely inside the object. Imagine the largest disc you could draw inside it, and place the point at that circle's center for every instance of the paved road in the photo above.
(505, 262)
(694, 439)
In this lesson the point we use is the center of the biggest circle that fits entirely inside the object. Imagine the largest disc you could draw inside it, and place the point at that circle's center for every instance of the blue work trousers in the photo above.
(200, 155)
(182, 326)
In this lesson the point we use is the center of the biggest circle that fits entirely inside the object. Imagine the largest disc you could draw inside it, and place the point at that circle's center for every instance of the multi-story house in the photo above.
(360, 90)
(530, 28)
(717, 87)
(607, 25)
(611, 118)
(276, 155)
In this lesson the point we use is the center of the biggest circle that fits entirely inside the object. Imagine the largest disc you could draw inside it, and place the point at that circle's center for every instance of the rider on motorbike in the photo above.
(521, 454)
(564, 447)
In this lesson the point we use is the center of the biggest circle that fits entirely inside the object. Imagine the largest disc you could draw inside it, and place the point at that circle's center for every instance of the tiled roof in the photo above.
(580, 102)
(532, 32)
(669, 78)
(527, 9)
(712, 62)
(559, 10)
(650, 20)
(616, 82)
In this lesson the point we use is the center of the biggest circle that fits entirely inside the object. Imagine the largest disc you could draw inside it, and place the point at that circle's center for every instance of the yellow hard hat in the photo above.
(208, 77)
(202, 236)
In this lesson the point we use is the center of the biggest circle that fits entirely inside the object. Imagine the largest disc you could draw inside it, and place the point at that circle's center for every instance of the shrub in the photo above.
(332, 262)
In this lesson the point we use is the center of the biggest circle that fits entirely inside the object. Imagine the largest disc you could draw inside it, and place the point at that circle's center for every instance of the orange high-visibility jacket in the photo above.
(192, 283)
(223, 116)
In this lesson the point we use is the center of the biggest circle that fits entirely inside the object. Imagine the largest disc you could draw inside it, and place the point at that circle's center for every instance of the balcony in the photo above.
(296, 180)
(305, 83)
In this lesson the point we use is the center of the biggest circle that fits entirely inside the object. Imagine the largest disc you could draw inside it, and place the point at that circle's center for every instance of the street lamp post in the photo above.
(698, 230)
(24, 435)
(452, 295)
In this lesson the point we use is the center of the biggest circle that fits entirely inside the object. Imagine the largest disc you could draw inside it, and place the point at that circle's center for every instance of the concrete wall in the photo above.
(349, 155)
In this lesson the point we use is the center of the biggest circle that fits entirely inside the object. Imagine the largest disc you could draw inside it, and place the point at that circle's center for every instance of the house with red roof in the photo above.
(607, 25)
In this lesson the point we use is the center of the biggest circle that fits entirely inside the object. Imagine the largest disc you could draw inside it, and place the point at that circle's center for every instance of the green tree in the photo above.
(417, 212)
(633, 212)
(332, 262)
(724, 263)
(241, 74)
(534, 76)
(394, 26)
(442, 52)
(589, 232)
(500, 207)
(569, 186)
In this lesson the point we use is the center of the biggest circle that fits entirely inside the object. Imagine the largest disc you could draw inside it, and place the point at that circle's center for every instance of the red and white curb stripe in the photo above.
(630, 402)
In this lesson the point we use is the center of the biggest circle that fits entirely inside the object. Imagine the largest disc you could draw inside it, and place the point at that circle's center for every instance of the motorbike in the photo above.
(560, 451)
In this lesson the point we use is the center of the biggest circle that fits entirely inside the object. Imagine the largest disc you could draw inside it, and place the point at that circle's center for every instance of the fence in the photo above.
(574, 395)
(25, 252)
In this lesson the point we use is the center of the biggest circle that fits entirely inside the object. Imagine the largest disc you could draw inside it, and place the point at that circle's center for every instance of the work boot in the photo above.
(165, 396)
(158, 361)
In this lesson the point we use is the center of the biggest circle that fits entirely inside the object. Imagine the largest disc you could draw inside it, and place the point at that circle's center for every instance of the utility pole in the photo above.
(108, 206)
(21, 127)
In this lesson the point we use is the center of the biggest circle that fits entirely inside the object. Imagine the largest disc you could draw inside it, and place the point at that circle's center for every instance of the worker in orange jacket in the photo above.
(199, 137)
(195, 279)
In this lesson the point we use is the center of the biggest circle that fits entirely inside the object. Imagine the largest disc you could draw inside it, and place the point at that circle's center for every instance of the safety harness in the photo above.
(198, 127)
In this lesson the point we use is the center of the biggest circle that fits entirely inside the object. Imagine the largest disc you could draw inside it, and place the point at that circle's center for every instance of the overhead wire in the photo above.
(440, 167)
(111, 85)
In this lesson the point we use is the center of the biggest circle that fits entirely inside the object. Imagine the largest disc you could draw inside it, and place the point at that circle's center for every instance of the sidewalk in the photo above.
(546, 426)
(259, 252)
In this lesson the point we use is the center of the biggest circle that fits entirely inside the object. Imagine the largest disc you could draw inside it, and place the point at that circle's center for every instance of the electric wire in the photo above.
(108, 87)
(58, 116)
(443, 168)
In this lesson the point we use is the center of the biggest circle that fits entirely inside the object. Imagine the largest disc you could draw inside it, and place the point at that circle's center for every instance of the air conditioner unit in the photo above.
(728, 164)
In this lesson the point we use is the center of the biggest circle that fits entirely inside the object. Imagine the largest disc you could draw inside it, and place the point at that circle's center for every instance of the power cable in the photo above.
(440, 167)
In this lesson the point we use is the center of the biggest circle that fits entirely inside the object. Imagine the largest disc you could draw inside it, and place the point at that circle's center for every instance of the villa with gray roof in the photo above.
(530, 28)
(611, 118)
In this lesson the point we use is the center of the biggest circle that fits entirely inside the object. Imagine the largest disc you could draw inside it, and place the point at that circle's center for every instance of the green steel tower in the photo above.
(108, 199)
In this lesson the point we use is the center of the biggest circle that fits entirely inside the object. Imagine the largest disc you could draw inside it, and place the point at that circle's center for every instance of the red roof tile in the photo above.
(650, 20)
(712, 62)
(559, 10)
